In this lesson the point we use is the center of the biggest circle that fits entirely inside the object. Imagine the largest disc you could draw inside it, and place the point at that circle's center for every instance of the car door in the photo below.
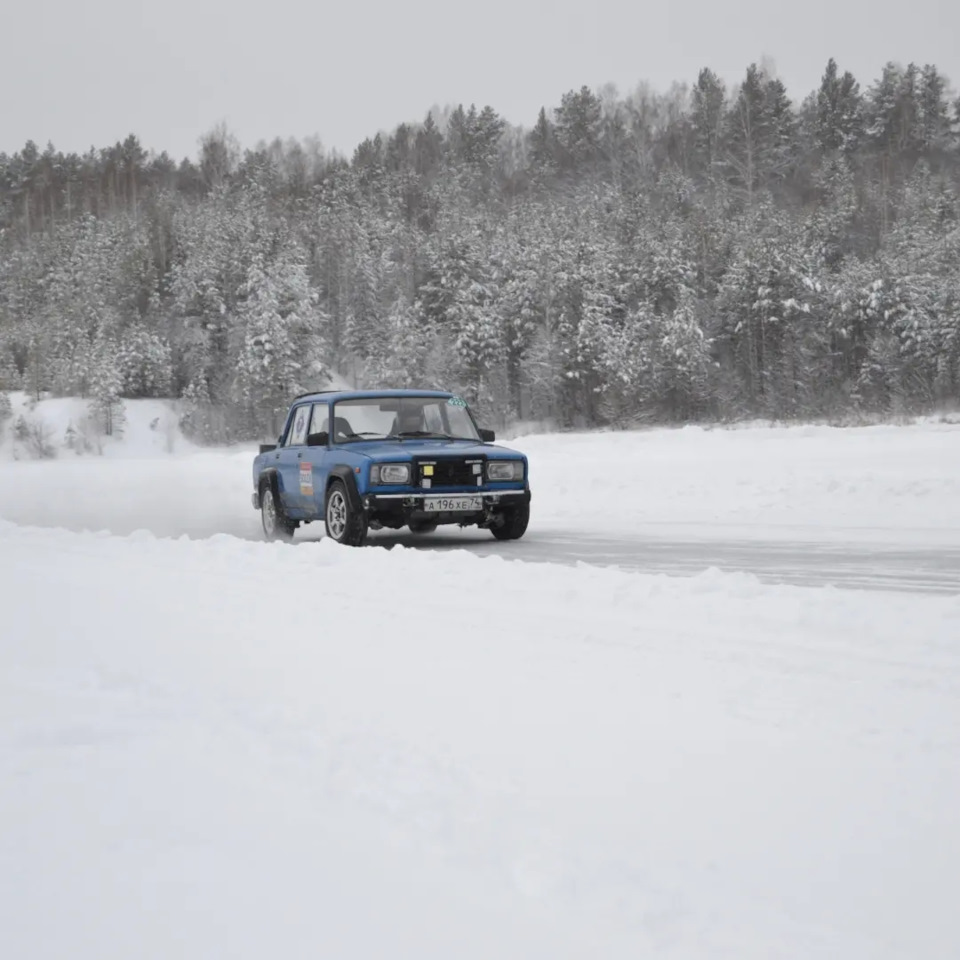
(294, 491)
(314, 464)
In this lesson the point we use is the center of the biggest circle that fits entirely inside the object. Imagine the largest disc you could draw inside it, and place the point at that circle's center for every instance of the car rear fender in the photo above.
(269, 476)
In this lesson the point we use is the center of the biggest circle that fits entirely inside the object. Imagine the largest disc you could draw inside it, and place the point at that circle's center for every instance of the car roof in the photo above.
(326, 396)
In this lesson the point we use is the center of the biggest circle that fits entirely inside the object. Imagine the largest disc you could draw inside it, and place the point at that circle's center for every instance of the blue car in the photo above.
(370, 459)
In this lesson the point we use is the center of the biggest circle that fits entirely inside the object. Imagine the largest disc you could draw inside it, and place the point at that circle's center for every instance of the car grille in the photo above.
(451, 472)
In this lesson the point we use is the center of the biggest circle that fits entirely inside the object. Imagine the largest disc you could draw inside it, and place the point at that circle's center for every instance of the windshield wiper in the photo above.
(431, 434)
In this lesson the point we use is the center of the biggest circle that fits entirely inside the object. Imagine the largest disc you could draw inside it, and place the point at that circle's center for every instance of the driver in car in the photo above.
(408, 420)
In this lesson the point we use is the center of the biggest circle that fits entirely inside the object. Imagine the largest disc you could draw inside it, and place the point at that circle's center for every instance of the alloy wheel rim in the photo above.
(337, 515)
(269, 514)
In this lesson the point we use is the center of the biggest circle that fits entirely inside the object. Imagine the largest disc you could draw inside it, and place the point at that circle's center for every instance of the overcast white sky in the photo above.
(87, 73)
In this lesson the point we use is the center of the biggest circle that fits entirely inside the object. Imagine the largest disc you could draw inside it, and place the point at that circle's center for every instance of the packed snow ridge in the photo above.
(215, 746)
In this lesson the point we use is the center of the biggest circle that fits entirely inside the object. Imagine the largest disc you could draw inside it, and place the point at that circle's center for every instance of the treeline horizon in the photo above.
(702, 253)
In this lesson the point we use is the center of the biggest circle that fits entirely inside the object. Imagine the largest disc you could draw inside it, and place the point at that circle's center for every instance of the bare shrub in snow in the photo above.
(166, 426)
(205, 422)
(34, 438)
(83, 437)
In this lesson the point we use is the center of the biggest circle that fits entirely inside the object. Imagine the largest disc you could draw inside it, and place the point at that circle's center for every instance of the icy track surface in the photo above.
(211, 746)
(224, 748)
(875, 508)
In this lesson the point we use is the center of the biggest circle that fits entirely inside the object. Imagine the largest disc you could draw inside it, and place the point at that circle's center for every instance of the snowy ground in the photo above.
(809, 483)
(874, 507)
(220, 747)
(805, 482)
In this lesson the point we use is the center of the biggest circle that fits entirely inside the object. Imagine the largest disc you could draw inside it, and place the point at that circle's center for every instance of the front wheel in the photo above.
(514, 525)
(343, 524)
(275, 524)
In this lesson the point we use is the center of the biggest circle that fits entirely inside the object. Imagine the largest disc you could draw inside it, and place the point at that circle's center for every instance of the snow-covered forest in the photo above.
(700, 253)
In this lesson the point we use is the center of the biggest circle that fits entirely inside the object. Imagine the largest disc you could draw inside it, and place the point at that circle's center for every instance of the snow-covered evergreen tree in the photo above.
(657, 255)
(707, 116)
(407, 350)
(6, 410)
(281, 354)
(839, 112)
(106, 385)
(146, 363)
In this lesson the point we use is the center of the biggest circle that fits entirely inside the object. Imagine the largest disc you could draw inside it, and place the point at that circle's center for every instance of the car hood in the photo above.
(383, 450)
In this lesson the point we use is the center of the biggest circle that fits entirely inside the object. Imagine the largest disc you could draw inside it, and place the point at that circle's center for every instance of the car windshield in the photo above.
(379, 418)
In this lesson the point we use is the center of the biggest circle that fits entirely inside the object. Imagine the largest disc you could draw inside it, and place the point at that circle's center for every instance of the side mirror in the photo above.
(487, 436)
(320, 439)
(267, 447)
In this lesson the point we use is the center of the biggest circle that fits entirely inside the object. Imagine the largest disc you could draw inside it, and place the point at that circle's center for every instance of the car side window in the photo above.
(320, 418)
(298, 429)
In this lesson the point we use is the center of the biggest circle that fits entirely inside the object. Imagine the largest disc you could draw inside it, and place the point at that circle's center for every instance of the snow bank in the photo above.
(898, 482)
(226, 748)
(875, 484)
(64, 427)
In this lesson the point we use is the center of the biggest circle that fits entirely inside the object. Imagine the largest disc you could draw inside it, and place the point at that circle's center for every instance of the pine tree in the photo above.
(364, 320)
(281, 353)
(6, 410)
(818, 261)
(839, 112)
(708, 104)
(428, 149)
(404, 357)
(106, 384)
(541, 147)
(893, 114)
(577, 130)
(935, 135)
(145, 362)
(763, 129)
(522, 308)
(682, 362)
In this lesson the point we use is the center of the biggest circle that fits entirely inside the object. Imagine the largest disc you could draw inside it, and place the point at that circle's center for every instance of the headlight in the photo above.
(505, 470)
(390, 473)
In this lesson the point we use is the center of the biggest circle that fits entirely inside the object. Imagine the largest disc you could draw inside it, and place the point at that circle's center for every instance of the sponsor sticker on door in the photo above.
(306, 479)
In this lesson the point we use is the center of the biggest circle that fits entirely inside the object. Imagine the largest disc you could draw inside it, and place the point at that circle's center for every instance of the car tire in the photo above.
(422, 526)
(275, 524)
(343, 524)
(514, 525)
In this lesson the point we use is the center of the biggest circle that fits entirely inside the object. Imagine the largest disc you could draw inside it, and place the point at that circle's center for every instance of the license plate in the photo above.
(452, 504)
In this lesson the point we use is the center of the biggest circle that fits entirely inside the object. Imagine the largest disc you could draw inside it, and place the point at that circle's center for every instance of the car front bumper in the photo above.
(412, 504)
(489, 497)
(406, 506)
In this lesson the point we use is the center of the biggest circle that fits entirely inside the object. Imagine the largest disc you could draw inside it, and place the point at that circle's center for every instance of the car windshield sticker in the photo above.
(306, 479)
(457, 402)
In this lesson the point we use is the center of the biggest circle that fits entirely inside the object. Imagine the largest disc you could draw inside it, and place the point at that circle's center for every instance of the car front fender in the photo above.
(347, 476)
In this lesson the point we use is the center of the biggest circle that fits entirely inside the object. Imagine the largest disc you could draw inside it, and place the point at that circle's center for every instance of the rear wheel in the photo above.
(276, 526)
(343, 524)
(514, 525)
